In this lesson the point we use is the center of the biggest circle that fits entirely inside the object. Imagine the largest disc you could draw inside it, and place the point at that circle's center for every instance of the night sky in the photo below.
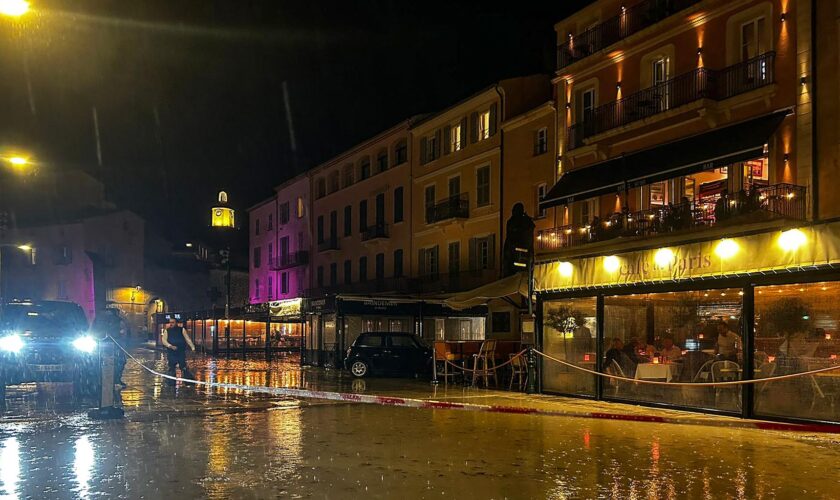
(214, 70)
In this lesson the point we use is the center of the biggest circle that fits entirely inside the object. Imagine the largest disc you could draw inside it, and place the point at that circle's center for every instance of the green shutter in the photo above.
(438, 141)
(447, 138)
(473, 128)
(493, 108)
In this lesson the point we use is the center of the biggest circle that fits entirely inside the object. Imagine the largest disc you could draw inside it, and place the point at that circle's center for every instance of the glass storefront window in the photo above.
(797, 329)
(684, 337)
(569, 330)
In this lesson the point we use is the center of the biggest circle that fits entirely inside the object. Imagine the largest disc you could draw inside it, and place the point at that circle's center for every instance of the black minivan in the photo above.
(388, 353)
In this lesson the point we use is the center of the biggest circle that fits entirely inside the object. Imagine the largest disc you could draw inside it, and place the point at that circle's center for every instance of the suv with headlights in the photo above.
(48, 341)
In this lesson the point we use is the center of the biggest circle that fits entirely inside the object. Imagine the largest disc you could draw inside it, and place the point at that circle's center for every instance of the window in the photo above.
(484, 125)
(585, 213)
(570, 327)
(320, 276)
(501, 322)
(348, 175)
(348, 220)
(333, 274)
(61, 293)
(428, 260)
(333, 225)
(364, 169)
(541, 190)
(659, 73)
(367, 340)
(257, 257)
(454, 257)
(270, 222)
(363, 268)
(300, 240)
(321, 187)
(401, 153)
(270, 287)
(300, 207)
(429, 201)
(348, 272)
(363, 216)
(482, 186)
(380, 209)
(482, 253)
(585, 105)
(752, 39)
(380, 266)
(284, 283)
(320, 229)
(63, 255)
(429, 148)
(454, 186)
(257, 227)
(541, 141)
(270, 254)
(398, 204)
(402, 341)
(398, 263)
(284, 213)
(334, 181)
(257, 288)
(456, 134)
(283, 258)
(382, 161)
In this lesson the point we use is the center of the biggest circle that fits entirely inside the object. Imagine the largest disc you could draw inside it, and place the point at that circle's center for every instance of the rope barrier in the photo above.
(446, 405)
(689, 384)
(487, 370)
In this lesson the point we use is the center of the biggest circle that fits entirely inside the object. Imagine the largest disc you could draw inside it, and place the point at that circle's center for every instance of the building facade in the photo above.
(693, 239)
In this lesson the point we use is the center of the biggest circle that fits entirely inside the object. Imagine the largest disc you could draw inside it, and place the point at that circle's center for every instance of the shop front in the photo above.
(688, 317)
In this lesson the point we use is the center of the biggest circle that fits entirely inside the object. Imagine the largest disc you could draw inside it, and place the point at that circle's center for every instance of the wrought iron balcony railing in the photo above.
(629, 21)
(375, 231)
(330, 243)
(777, 201)
(454, 207)
(701, 83)
(285, 261)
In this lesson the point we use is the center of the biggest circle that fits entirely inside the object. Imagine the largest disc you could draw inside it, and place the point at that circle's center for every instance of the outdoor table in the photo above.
(655, 371)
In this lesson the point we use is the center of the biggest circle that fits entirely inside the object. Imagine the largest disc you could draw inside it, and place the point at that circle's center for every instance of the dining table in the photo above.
(656, 371)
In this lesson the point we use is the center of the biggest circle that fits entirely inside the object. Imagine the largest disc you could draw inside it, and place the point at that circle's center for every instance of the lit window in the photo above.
(540, 195)
(455, 138)
(484, 125)
(300, 207)
(541, 141)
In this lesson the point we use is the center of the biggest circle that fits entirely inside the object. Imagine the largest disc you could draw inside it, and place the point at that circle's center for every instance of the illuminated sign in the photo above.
(289, 307)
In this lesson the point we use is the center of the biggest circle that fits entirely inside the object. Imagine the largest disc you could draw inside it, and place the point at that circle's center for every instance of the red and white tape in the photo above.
(448, 405)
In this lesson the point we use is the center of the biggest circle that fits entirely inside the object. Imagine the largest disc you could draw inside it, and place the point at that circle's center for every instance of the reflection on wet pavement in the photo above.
(186, 442)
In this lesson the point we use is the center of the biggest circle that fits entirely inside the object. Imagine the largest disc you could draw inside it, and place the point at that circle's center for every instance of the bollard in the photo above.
(106, 409)
(434, 365)
(532, 372)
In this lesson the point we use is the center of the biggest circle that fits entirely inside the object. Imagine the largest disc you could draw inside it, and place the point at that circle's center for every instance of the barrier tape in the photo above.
(688, 384)
(446, 405)
(485, 371)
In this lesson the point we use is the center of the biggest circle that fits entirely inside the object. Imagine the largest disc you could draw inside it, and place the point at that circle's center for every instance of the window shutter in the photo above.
(464, 132)
(473, 128)
(436, 255)
(423, 158)
(421, 262)
(447, 138)
(473, 255)
(491, 251)
(438, 140)
(493, 108)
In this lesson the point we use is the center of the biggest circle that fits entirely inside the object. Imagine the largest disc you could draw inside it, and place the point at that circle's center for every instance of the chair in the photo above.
(821, 393)
(761, 357)
(615, 369)
(518, 370)
(485, 363)
(726, 371)
(443, 354)
(704, 374)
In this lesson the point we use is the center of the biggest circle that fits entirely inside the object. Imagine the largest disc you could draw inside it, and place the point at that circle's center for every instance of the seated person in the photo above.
(670, 351)
(617, 353)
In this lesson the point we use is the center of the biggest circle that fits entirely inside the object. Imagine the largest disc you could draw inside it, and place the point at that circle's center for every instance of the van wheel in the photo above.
(359, 368)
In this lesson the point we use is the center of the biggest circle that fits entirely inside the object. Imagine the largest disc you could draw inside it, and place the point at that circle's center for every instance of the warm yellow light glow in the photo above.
(14, 8)
(223, 217)
(611, 263)
(18, 161)
(792, 239)
(565, 269)
(663, 257)
(726, 248)
(25, 248)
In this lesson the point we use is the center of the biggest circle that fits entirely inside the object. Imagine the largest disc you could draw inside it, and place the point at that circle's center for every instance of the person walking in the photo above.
(176, 340)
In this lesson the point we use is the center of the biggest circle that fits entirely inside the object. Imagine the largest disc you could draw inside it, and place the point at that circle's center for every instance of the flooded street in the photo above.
(194, 442)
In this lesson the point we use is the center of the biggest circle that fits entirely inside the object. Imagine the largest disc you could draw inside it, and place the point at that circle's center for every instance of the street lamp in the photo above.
(223, 218)
(14, 8)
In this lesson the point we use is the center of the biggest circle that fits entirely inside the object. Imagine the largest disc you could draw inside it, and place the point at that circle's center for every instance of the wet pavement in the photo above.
(190, 442)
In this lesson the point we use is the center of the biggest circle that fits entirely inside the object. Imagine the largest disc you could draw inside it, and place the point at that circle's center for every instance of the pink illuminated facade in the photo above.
(279, 243)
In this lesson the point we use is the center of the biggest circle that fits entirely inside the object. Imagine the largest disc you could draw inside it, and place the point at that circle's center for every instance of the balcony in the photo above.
(453, 282)
(375, 231)
(286, 261)
(777, 201)
(454, 207)
(702, 83)
(629, 21)
(330, 243)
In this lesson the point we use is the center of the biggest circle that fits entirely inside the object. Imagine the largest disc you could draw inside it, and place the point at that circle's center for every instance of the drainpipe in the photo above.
(500, 116)
(815, 178)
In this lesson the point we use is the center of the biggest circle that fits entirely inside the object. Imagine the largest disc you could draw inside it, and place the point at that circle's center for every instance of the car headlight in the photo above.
(85, 344)
(11, 343)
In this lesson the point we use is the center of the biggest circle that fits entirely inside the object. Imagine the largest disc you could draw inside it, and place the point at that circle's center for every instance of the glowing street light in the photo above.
(611, 263)
(25, 248)
(566, 269)
(726, 248)
(14, 8)
(792, 239)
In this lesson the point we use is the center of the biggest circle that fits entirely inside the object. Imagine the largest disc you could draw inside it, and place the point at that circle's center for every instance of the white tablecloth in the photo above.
(651, 371)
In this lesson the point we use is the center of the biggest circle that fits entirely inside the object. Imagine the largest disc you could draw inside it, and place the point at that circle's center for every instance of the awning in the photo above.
(505, 287)
(707, 151)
